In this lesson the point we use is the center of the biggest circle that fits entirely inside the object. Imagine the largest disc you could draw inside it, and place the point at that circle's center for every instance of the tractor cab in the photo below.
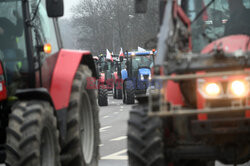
(138, 65)
(13, 53)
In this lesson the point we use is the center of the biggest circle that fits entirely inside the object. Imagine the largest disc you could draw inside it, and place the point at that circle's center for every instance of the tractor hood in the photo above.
(229, 44)
(227, 53)
(144, 71)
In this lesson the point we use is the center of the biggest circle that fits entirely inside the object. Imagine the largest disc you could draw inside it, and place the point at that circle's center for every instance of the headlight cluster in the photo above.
(142, 77)
(215, 90)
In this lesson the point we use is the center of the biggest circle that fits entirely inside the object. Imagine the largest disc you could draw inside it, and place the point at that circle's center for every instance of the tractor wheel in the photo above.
(145, 139)
(102, 97)
(146, 144)
(129, 92)
(123, 95)
(32, 135)
(82, 140)
(119, 93)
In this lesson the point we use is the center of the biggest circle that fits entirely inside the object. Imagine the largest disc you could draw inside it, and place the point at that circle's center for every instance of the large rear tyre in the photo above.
(129, 92)
(103, 97)
(82, 140)
(32, 135)
(145, 139)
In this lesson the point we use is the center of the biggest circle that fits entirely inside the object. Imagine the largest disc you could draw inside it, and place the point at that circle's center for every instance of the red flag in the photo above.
(121, 53)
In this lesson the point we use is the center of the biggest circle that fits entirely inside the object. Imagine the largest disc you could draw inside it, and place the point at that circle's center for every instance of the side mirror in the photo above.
(54, 8)
(141, 6)
(121, 58)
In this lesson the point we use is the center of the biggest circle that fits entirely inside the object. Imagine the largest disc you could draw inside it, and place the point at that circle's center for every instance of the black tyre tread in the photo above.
(114, 91)
(103, 97)
(35, 115)
(119, 93)
(130, 91)
(145, 144)
(72, 146)
(14, 135)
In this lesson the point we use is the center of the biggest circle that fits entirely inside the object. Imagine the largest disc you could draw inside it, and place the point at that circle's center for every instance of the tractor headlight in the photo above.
(142, 77)
(210, 90)
(239, 88)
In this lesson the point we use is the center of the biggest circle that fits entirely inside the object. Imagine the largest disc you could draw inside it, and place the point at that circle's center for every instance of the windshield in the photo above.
(221, 18)
(12, 40)
(142, 61)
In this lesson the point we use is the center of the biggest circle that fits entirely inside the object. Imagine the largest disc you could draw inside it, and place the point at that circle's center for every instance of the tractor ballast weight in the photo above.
(44, 96)
(198, 109)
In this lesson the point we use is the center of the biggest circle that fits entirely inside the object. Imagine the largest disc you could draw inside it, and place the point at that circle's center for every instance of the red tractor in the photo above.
(105, 69)
(198, 109)
(48, 116)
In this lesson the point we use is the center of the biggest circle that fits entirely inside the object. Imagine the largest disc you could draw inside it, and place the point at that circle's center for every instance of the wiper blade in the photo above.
(202, 11)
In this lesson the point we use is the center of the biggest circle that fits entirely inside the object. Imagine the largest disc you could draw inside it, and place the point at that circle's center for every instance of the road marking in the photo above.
(100, 145)
(119, 138)
(121, 106)
(104, 128)
(121, 110)
(115, 112)
(106, 117)
(113, 102)
(116, 156)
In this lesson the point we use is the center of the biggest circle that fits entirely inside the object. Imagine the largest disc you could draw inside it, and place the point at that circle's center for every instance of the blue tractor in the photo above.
(136, 75)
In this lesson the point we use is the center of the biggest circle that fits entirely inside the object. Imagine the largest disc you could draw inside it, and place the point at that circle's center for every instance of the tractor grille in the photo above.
(146, 77)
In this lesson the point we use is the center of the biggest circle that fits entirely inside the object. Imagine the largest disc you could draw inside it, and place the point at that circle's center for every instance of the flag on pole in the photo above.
(121, 53)
(140, 49)
(108, 55)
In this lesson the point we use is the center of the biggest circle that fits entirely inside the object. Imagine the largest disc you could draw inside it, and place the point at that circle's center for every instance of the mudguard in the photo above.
(115, 75)
(124, 74)
(64, 72)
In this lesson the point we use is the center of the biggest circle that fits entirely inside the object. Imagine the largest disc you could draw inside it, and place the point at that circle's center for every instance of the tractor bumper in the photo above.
(217, 127)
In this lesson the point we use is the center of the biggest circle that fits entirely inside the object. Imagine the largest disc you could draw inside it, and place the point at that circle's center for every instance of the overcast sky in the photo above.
(67, 6)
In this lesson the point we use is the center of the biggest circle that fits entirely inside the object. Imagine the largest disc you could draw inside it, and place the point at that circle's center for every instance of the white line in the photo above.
(119, 138)
(121, 110)
(115, 156)
(121, 106)
(106, 117)
(104, 128)
(100, 145)
(115, 112)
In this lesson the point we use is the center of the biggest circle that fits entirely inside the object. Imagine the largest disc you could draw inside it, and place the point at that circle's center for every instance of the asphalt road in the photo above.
(113, 132)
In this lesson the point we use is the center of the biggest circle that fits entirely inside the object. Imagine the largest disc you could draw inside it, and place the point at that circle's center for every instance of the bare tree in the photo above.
(113, 24)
